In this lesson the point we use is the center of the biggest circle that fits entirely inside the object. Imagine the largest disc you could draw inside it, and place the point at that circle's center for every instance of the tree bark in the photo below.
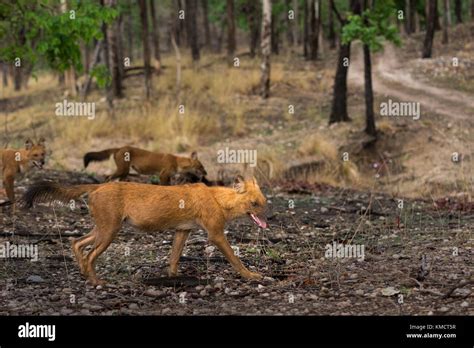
(207, 29)
(331, 31)
(155, 33)
(5, 74)
(289, 24)
(191, 29)
(296, 31)
(252, 13)
(458, 10)
(315, 27)
(305, 29)
(445, 22)
(146, 47)
(275, 41)
(266, 47)
(231, 44)
(339, 102)
(69, 74)
(113, 32)
(430, 30)
(130, 31)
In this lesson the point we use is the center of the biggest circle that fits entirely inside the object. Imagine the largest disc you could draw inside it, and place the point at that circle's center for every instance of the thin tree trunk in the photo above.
(69, 74)
(266, 47)
(207, 30)
(369, 94)
(146, 47)
(339, 102)
(305, 29)
(296, 35)
(5, 74)
(231, 44)
(191, 29)
(331, 31)
(275, 40)
(155, 33)
(472, 10)
(289, 24)
(178, 67)
(445, 22)
(458, 10)
(130, 31)
(252, 13)
(95, 61)
(430, 30)
(315, 26)
(113, 31)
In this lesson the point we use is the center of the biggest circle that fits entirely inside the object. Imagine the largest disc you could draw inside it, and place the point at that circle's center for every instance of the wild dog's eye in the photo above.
(254, 204)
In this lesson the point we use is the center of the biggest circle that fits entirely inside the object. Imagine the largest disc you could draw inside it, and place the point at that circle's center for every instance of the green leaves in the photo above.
(373, 26)
(38, 29)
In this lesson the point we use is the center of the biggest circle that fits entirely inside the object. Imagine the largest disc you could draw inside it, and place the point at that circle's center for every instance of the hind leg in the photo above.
(78, 246)
(102, 241)
(180, 238)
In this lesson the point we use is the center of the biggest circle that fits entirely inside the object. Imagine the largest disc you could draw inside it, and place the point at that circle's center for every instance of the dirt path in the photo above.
(393, 80)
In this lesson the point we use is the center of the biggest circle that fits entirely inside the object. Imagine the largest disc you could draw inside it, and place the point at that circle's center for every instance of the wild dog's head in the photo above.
(251, 200)
(35, 153)
(194, 167)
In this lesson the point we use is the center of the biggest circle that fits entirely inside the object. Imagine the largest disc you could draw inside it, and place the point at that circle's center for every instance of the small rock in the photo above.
(133, 306)
(34, 279)
(203, 292)
(465, 304)
(324, 210)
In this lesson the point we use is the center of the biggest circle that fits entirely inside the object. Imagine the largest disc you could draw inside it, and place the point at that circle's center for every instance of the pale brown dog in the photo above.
(153, 208)
(16, 161)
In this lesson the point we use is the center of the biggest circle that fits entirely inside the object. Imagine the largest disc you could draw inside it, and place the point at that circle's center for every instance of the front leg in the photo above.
(179, 240)
(8, 183)
(218, 238)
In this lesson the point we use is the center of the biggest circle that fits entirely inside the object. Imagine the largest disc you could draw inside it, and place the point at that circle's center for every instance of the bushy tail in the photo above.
(47, 191)
(98, 156)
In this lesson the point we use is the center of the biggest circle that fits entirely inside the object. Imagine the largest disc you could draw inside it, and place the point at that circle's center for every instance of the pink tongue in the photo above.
(260, 223)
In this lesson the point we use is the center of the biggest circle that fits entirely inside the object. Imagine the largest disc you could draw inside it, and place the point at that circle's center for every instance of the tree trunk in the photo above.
(17, 77)
(472, 10)
(113, 31)
(430, 30)
(315, 26)
(231, 45)
(412, 15)
(191, 29)
(305, 29)
(289, 24)
(146, 47)
(155, 33)
(180, 29)
(296, 32)
(445, 21)
(275, 40)
(95, 61)
(130, 31)
(5, 74)
(69, 74)
(266, 47)
(252, 13)
(331, 31)
(458, 10)
(339, 102)
(207, 30)
(369, 94)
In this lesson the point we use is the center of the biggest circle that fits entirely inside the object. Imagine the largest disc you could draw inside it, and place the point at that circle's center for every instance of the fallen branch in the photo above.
(461, 284)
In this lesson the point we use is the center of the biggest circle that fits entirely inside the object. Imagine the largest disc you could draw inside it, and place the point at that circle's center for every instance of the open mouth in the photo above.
(259, 221)
(38, 164)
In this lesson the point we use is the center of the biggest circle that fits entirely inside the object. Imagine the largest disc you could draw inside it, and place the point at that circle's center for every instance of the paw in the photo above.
(252, 275)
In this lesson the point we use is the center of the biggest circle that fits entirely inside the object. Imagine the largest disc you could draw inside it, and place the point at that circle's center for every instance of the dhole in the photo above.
(154, 208)
(146, 162)
(13, 162)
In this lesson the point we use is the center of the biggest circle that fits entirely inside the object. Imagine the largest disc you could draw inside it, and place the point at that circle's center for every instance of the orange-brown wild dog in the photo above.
(154, 208)
(146, 162)
(14, 161)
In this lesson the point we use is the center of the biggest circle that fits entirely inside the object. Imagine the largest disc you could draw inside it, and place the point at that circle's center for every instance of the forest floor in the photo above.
(387, 277)
(412, 256)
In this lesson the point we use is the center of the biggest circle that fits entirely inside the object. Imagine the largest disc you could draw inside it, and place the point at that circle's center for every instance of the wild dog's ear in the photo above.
(41, 141)
(254, 180)
(194, 155)
(239, 184)
(28, 144)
